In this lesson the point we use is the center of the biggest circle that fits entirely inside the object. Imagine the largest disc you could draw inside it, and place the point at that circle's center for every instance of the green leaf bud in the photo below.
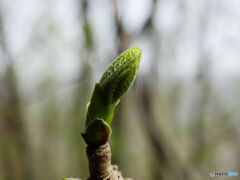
(115, 81)
(120, 75)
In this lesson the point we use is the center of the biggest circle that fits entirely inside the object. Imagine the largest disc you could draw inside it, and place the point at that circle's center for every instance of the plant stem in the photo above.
(100, 166)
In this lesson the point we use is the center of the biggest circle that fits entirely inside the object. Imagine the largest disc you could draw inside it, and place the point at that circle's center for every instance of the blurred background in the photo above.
(179, 121)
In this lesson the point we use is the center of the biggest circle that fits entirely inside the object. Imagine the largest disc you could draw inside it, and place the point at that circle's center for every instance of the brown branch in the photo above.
(100, 166)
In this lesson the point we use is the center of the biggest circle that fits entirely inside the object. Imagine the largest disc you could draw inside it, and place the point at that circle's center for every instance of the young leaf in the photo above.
(115, 81)
(99, 106)
(120, 75)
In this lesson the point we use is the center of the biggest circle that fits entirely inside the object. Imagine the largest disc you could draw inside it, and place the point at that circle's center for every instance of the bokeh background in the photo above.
(179, 121)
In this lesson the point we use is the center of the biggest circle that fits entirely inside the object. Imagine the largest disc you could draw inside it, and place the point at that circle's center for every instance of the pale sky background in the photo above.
(28, 25)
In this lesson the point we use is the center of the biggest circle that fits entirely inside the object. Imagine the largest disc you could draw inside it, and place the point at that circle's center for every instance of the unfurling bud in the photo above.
(116, 80)
(120, 75)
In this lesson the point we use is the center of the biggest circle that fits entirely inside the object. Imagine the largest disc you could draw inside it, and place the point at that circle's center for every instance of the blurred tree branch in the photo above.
(16, 157)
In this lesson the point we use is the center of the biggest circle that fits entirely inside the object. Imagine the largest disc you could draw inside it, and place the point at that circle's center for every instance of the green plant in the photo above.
(115, 81)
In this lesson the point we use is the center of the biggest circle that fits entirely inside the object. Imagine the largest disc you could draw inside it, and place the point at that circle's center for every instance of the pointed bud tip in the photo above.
(121, 73)
(136, 54)
(137, 49)
(134, 51)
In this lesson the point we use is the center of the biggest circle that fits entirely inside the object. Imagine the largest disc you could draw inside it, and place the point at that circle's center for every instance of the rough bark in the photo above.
(100, 166)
